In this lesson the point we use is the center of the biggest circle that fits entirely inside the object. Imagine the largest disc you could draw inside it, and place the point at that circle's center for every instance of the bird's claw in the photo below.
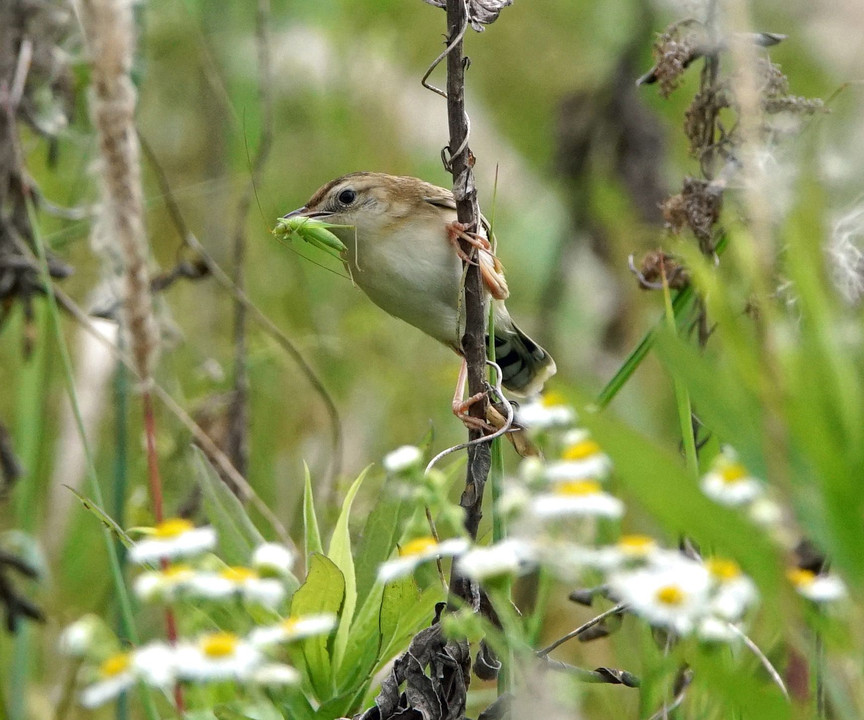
(457, 231)
(460, 410)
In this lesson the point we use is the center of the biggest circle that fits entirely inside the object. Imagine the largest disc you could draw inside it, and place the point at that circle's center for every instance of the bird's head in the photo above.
(371, 204)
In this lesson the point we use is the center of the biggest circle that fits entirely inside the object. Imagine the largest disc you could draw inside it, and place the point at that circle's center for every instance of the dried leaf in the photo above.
(480, 12)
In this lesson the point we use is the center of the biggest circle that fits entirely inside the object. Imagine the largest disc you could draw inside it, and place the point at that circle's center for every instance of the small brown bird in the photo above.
(402, 245)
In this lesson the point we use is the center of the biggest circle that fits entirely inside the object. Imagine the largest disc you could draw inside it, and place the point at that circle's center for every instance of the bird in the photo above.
(401, 238)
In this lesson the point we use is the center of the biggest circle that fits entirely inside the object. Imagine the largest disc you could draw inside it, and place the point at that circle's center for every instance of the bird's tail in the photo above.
(525, 365)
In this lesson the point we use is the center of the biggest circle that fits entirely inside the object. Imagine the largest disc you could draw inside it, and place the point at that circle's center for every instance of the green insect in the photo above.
(315, 232)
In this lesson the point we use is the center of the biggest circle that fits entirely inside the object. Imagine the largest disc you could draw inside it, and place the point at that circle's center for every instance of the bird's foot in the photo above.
(456, 231)
(460, 410)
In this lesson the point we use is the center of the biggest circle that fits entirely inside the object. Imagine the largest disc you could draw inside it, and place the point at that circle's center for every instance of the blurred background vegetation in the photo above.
(582, 159)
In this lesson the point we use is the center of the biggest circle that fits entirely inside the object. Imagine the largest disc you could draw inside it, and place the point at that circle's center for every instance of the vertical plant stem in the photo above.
(110, 35)
(152, 457)
(465, 194)
(682, 394)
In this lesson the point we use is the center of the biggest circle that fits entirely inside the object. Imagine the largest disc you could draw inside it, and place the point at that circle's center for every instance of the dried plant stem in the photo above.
(581, 629)
(109, 31)
(474, 340)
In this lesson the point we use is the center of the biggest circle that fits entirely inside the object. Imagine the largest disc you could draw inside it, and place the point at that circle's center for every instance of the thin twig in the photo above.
(257, 315)
(581, 629)
(766, 663)
(237, 440)
(461, 162)
(601, 675)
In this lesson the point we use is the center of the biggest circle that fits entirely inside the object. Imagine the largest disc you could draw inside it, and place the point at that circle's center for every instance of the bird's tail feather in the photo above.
(525, 365)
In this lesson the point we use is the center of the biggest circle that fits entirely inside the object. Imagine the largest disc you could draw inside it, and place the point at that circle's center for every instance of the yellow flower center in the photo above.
(115, 665)
(417, 546)
(636, 544)
(581, 450)
(670, 595)
(800, 577)
(733, 473)
(172, 527)
(289, 624)
(722, 569)
(577, 487)
(172, 572)
(551, 399)
(220, 644)
(238, 574)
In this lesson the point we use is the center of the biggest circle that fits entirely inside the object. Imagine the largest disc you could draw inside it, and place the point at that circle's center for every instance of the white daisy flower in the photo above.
(729, 483)
(82, 636)
(765, 512)
(275, 675)
(581, 498)
(545, 413)
(273, 559)
(515, 498)
(734, 592)
(508, 557)
(580, 460)
(237, 581)
(172, 539)
(418, 551)
(674, 596)
(116, 675)
(713, 629)
(293, 628)
(532, 470)
(817, 588)
(630, 550)
(156, 665)
(163, 585)
(403, 459)
(217, 656)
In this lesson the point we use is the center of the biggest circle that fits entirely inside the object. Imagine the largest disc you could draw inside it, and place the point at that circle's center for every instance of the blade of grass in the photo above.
(680, 305)
(682, 394)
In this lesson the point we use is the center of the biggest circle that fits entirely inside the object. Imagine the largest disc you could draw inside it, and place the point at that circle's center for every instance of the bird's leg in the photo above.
(460, 406)
(457, 231)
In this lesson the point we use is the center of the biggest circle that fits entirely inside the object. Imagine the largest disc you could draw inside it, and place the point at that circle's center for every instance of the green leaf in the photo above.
(364, 642)
(297, 707)
(340, 553)
(379, 536)
(337, 707)
(311, 533)
(238, 536)
(410, 616)
(103, 517)
(323, 592)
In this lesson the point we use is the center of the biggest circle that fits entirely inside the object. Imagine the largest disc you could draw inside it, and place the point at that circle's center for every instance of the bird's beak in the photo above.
(305, 212)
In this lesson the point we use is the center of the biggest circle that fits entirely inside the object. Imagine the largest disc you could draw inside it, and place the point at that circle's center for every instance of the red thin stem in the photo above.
(152, 458)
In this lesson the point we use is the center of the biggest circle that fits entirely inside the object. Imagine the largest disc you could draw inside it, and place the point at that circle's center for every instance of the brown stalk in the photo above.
(108, 27)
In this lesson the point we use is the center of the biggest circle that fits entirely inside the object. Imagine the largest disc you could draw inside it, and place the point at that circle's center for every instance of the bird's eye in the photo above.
(346, 197)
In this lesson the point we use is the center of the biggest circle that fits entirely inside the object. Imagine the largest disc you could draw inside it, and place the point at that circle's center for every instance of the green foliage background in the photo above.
(347, 96)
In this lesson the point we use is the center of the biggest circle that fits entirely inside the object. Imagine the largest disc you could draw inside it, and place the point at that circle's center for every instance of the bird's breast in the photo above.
(413, 273)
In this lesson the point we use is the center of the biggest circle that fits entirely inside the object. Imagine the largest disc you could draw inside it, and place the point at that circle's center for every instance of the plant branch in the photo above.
(460, 163)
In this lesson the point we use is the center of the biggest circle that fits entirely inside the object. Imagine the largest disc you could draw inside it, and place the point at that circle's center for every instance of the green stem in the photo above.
(499, 527)
(682, 396)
